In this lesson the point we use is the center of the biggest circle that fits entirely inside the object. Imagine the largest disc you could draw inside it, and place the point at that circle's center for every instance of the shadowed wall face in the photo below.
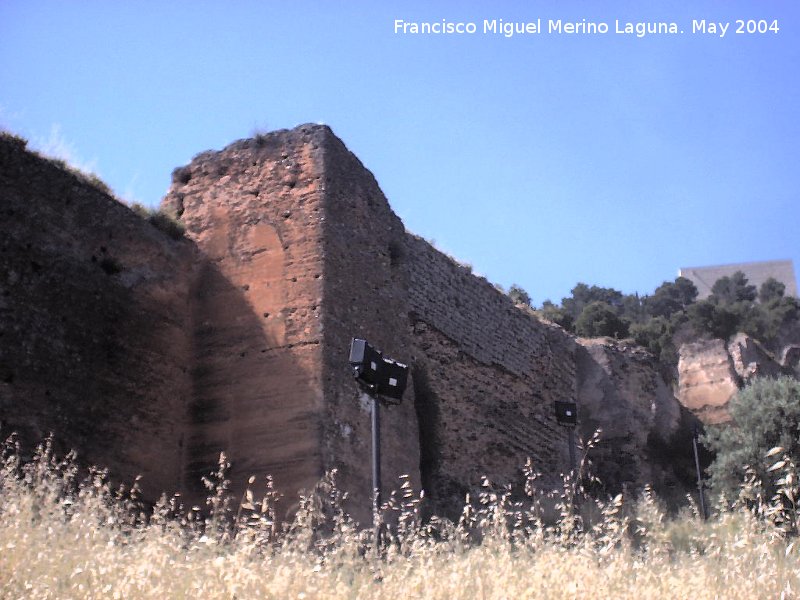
(366, 296)
(93, 321)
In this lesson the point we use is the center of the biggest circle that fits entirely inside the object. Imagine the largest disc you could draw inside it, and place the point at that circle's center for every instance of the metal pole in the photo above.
(573, 473)
(376, 471)
(572, 460)
(699, 475)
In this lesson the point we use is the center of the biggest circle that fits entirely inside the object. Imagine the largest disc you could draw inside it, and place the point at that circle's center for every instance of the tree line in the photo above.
(672, 313)
(757, 454)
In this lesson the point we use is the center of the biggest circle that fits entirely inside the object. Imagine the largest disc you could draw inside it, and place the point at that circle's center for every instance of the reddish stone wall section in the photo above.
(297, 238)
(254, 210)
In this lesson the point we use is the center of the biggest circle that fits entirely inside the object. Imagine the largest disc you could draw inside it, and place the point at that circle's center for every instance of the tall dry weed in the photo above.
(64, 534)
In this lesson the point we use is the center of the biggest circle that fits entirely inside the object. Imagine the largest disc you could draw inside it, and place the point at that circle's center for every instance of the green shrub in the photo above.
(709, 318)
(656, 336)
(765, 415)
(671, 297)
(172, 227)
(736, 288)
(519, 295)
(771, 290)
(583, 295)
(598, 319)
(557, 315)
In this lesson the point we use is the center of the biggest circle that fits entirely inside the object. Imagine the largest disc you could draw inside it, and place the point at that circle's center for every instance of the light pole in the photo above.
(567, 417)
(700, 485)
(385, 381)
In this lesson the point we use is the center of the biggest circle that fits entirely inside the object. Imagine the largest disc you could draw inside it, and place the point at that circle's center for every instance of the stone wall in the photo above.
(152, 355)
(93, 315)
(487, 374)
(365, 296)
(299, 240)
(254, 210)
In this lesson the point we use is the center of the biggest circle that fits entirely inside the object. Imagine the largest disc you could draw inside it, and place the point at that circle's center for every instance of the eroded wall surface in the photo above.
(646, 433)
(254, 210)
(487, 374)
(707, 380)
(712, 371)
(94, 308)
(236, 339)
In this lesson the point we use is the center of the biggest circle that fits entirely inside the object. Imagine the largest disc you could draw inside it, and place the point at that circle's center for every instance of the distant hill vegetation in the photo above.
(671, 315)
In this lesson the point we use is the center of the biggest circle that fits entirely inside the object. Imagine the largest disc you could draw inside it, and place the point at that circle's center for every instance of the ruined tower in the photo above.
(298, 244)
(153, 355)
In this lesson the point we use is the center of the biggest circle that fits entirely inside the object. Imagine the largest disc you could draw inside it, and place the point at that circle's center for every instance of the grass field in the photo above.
(66, 537)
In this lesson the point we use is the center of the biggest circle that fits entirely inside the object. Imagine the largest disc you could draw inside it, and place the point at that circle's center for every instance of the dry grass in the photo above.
(65, 538)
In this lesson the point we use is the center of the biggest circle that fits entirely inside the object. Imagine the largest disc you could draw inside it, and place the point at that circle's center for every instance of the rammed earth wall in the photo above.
(152, 355)
(298, 237)
(253, 210)
(93, 323)
(488, 375)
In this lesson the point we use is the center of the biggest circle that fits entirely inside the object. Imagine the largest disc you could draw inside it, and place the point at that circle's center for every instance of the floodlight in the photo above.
(378, 374)
(567, 413)
(393, 379)
(365, 362)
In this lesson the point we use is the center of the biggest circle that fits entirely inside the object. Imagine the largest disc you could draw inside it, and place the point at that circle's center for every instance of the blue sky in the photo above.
(541, 159)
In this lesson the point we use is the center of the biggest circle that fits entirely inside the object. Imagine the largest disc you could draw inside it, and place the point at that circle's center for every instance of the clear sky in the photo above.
(542, 159)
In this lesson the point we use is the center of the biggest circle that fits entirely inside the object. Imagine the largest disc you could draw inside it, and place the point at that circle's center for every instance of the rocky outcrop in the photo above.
(707, 379)
(710, 372)
(646, 433)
